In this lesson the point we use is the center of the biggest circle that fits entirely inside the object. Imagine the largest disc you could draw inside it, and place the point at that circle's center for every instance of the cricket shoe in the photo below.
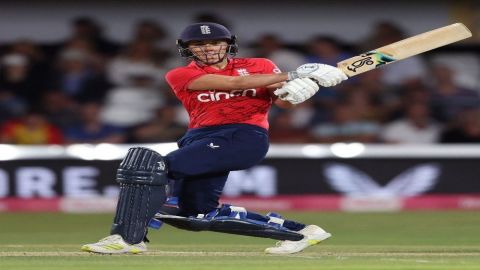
(114, 244)
(312, 236)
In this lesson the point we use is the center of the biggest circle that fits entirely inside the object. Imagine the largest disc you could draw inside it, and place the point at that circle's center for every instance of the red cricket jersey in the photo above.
(217, 107)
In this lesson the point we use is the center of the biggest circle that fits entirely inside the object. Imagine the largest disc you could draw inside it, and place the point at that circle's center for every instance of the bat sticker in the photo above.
(371, 58)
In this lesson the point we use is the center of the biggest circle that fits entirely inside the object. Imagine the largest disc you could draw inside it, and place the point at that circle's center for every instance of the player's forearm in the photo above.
(278, 102)
(284, 104)
(260, 80)
(222, 82)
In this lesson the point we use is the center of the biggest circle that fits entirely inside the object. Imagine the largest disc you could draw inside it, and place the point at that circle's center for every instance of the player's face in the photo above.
(209, 51)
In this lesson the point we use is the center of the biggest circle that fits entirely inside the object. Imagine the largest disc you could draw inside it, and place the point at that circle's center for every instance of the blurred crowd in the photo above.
(89, 89)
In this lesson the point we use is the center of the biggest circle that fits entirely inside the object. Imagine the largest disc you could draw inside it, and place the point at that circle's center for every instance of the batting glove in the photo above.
(325, 75)
(297, 91)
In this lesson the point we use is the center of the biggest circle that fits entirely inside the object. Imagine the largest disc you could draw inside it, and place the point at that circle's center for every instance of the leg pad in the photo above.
(233, 223)
(142, 176)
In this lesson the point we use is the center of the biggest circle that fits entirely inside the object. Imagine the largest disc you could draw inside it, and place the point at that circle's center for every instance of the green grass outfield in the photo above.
(407, 240)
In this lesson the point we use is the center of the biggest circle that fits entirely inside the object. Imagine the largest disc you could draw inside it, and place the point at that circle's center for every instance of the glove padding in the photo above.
(325, 75)
(297, 91)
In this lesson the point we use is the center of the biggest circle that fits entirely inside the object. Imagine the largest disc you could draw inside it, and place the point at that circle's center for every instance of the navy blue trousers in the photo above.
(201, 165)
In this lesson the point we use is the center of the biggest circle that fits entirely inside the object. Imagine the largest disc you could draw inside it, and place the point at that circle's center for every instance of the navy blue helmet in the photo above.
(205, 31)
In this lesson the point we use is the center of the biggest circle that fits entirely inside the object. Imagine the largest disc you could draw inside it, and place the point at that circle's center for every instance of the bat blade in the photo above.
(404, 48)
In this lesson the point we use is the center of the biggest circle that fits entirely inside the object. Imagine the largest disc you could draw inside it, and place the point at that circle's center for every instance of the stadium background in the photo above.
(80, 82)
(393, 198)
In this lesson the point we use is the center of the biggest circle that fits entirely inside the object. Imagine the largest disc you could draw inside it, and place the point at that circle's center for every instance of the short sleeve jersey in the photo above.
(212, 107)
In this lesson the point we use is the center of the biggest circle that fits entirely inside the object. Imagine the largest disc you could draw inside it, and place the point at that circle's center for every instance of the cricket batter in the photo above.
(228, 100)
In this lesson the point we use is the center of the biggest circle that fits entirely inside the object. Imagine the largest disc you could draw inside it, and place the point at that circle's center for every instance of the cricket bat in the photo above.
(404, 48)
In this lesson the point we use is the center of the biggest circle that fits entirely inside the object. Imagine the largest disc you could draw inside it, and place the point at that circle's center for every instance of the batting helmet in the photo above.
(205, 31)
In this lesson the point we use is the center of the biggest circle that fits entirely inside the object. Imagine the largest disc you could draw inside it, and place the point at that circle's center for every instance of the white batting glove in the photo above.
(297, 91)
(326, 75)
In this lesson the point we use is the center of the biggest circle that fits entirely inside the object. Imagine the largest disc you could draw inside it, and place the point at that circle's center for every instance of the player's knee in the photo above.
(142, 166)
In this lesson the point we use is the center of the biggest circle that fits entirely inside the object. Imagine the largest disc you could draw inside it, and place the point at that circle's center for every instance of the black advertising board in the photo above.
(48, 178)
